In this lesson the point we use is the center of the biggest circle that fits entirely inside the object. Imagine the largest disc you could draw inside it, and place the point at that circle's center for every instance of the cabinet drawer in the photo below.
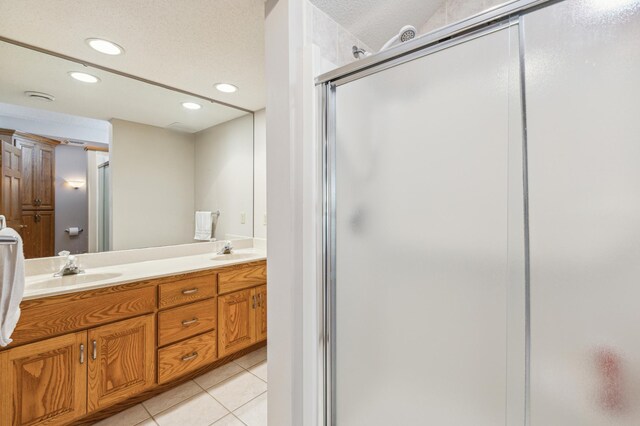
(186, 321)
(187, 290)
(241, 278)
(184, 357)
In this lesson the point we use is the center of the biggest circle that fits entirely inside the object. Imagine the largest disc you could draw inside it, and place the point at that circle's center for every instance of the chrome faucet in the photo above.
(227, 248)
(70, 267)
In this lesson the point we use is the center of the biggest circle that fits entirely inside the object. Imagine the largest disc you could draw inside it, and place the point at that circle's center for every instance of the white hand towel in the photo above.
(11, 285)
(203, 226)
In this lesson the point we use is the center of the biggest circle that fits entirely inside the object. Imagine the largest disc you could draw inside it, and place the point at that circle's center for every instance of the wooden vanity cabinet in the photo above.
(58, 380)
(77, 354)
(242, 312)
(44, 383)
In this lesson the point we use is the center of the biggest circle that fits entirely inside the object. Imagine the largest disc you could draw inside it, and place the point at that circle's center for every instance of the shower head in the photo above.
(408, 32)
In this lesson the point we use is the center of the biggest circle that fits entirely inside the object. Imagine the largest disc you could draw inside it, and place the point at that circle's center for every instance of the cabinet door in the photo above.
(45, 166)
(261, 313)
(28, 183)
(30, 240)
(44, 383)
(38, 233)
(121, 361)
(10, 203)
(46, 236)
(236, 321)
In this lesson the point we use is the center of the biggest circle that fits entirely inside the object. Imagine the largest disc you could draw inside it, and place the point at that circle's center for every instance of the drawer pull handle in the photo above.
(81, 353)
(190, 291)
(94, 354)
(189, 322)
(190, 357)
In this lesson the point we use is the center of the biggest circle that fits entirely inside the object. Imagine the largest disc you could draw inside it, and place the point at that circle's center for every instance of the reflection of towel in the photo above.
(203, 226)
(11, 285)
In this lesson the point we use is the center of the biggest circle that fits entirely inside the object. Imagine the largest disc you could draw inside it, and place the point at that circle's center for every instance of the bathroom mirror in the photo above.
(105, 161)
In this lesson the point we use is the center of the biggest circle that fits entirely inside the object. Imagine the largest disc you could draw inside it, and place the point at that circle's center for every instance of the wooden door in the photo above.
(45, 177)
(121, 361)
(44, 383)
(261, 313)
(28, 187)
(38, 233)
(10, 203)
(236, 321)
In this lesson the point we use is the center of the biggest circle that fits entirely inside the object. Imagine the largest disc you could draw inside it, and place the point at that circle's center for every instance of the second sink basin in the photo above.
(71, 280)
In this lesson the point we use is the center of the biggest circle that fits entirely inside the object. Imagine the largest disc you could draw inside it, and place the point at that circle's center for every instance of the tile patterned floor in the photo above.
(232, 395)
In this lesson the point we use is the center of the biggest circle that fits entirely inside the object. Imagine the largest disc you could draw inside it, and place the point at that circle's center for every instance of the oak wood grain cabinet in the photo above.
(44, 383)
(38, 171)
(38, 233)
(242, 319)
(121, 361)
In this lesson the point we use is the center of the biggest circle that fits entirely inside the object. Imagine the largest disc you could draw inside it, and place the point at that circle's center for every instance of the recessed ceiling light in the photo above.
(105, 46)
(226, 87)
(84, 77)
(191, 105)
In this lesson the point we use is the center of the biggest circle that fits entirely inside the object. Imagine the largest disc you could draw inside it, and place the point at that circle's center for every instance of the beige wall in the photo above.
(260, 174)
(224, 175)
(152, 186)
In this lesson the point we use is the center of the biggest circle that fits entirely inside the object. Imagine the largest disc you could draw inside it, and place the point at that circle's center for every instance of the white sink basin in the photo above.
(232, 256)
(70, 280)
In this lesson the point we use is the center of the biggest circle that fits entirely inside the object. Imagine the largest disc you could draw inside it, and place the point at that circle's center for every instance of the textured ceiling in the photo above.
(188, 44)
(376, 21)
(114, 97)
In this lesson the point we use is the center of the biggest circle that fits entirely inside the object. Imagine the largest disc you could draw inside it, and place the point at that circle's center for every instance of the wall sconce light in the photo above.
(75, 184)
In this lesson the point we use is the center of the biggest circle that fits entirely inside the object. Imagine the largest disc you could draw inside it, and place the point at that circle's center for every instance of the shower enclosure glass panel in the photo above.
(582, 62)
(429, 253)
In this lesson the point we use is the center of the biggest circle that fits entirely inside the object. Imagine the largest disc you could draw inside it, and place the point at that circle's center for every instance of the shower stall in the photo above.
(481, 236)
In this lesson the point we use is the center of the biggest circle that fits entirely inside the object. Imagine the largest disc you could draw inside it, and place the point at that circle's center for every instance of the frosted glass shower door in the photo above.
(429, 251)
(582, 61)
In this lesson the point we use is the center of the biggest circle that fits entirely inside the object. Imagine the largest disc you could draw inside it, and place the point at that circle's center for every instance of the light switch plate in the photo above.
(243, 218)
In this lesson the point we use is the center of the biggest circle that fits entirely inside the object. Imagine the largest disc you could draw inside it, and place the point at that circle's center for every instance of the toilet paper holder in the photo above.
(80, 230)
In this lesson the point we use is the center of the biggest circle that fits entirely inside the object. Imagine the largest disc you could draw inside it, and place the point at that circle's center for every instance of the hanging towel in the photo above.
(11, 285)
(203, 226)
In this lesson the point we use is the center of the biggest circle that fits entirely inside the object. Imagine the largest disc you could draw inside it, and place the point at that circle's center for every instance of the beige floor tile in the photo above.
(260, 370)
(200, 410)
(238, 390)
(229, 420)
(218, 375)
(148, 422)
(254, 413)
(252, 358)
(129, 417)
(171, 397)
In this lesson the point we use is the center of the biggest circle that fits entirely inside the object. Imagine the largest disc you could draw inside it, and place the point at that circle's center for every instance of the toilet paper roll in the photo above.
(73, 231)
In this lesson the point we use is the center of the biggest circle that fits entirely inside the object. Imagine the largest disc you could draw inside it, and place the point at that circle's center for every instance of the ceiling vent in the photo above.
(179, 127)
(40, 96)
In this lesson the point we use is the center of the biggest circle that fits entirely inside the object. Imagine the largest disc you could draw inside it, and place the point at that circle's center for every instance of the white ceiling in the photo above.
(114, 96)
(376, 21)
(187, 44)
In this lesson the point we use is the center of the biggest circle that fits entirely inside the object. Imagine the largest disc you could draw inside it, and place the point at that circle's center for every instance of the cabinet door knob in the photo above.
(186, 323)
(23, 226)
(190, 357)
(190, 291)
(94, 353)
(81, 353)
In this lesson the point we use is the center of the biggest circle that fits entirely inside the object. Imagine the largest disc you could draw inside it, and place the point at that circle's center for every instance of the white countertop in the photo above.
(38, 286)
